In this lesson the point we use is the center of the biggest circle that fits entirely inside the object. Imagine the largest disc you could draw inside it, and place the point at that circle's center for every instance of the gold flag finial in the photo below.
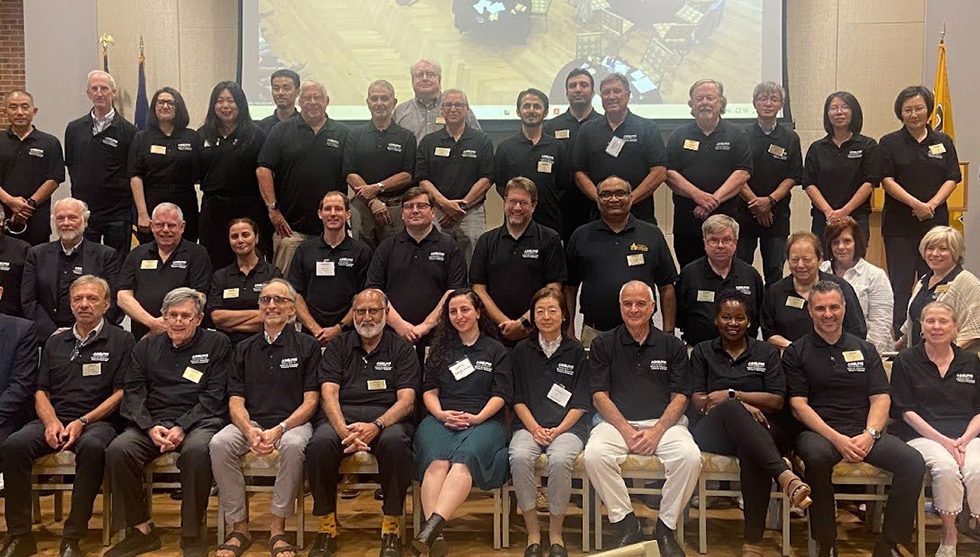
(105, 41)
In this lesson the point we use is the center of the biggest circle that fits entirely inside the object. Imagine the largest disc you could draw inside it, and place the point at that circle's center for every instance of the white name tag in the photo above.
(192, 375)
(325, 269)
(333, 143)
(110, 141)
(692, 145)
(289, 363)
(937, 149)
(794, 302)
(77, 270)
(91, 370)
(158, 149)
(853, 356)
(148, 264)
(706, 296)
(634, 260)
(462, 369)
(615, 146)
(559, 395)
(544, 167)
(777, 151)
(229, 293)
(183, 146)
(394, 147)
(4, 265)
(179, 264)
(35, 152)
(965, 378)
(442, 152)
(377, 385)
(440, 120)
(562, 134)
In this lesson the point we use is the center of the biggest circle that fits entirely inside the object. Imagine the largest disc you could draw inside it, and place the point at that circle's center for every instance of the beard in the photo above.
(370, 331)
(70, 236)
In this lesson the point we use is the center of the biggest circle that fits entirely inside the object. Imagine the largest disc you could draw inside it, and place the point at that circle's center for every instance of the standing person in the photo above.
(31, 169)
(13, 255)
(229, 156)
(919, 170)
(284, 86)
(422, 114)
(97, 155)
(777, 166)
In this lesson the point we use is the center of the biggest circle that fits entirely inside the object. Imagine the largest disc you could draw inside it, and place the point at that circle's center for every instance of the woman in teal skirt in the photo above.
(462, 441)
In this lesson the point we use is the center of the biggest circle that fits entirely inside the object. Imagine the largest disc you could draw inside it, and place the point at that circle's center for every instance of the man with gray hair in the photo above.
(174, 400)
(51, 268)
(96, 154)
(422, 115)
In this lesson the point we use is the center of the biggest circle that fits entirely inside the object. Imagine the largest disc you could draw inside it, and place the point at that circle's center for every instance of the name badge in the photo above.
(562, 134)
(706, 296)
(462, 369)
(559, 395)
(325, 269)
(289, 363)
(377, 385)
(942, 289)
(794, 302)
(777, 151)
(634, 260)
(148, 264)
(35, 152)
(440, 120)
(229, 293)
(158, 149)
(544, 167)
(91, 370)
(442, 152)
(937, 149)
(853, 356)
(192, 375)
(615, 146)
(692, 145)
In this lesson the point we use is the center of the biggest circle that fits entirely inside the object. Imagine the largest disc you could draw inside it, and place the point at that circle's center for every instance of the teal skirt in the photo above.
(482, 448)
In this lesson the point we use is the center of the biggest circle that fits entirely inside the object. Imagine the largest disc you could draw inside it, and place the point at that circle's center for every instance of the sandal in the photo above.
(275, 551)
(244, 542)
(797, 492)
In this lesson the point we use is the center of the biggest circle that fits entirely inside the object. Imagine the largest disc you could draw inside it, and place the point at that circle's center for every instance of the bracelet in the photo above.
(379, 424)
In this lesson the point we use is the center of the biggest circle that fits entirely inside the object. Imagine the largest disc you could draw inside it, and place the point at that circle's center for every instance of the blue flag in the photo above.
(142, 106)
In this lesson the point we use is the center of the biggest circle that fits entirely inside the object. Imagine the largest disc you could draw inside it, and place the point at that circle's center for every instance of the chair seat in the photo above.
(542, 463)
(252, 461)
(845, 469)
(640, 463)
(719, 464)
(58, 459)
(359, 463)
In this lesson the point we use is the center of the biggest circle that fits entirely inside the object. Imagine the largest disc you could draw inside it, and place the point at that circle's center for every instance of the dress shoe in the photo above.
(429, 540)
(557, 551)
(391, 546)
(886, 549)
(826, 550)
(323, 546)
(69, 548)
(135, 543)
(19, 546)
(667, 541)
(629, 531)
(533, 550)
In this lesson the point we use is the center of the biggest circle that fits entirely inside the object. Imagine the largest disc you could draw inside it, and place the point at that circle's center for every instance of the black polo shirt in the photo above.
(98, 166)
(370, 379)
(837, 379)
(565, 127)
(544, 164)
(305, 167)
(13, 253)
(228, 164)
(274, 377)
(415, 275)
(266, 124)
(513, 270)
(151, 279)
(838, 172)
(177, 386)
(639, 378)
(76, 387)
(643, 148)
(602, 261)
(491, 375)
(698, 287)
(25, 165)
(576, 207)
(946, 402)
(454, 166)
(375, 154)
(166, 162)
(328, 278)
(757, 370)
(784, 310)
(775, 157)
(706, 161)
(923, 297)
(535, 375)
(231, 289)
(920, 168)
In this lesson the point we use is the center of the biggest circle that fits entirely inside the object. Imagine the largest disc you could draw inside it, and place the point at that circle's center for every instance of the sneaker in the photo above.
(135, 543)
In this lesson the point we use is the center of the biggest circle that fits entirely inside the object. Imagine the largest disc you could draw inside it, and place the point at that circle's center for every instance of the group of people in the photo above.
(260, 325)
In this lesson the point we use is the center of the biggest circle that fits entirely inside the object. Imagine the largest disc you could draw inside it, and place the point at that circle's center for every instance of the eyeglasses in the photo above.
(418, 206)
(706, 98)
(279, 300)
(429, 75)
(616, 194)
(715, 242)
(519, 203)
(373, 312)
(454, 106)
(165, 102)
(172, 316)
(311, 99)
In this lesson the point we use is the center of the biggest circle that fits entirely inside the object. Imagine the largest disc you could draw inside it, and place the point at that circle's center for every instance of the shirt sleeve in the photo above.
(69, 147)
(137, 155)
(556, 269)
(44, 368)
(953, 171)
(854, 321)
(673, 149)
(296, 275)
(768, 317)
(755, 312)
(881, 303)
(377, 275)
(581, 397)
(332, 362)
(456, 272)
(683, 294)
(884, 159)
(795, 159)
(236, 376)
(573, 259)
(348, 166)
(503, 375)
(665, 272)
(499, 168)
(796, 383)
(407, 364)
(409, 154)
(580, 151)
(478, 263)
(742, 152)
(271, 154)
(699, 368)
(656, 152)
(877, 378)
(23, 371)
(200, 274)
(600, 363)
(486, 160)
(431, 379)
(54, 162)
(870, 171)
(520, 364)
(211, 402)
(422, 161)
(811, 168)
(127, 273)
(311, 365)
(125, 361)
(680, 368)
(902, 397)
(774, 378)
(216, 293)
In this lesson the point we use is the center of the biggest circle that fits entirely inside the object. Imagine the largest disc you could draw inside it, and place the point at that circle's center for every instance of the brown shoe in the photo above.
(795, 490)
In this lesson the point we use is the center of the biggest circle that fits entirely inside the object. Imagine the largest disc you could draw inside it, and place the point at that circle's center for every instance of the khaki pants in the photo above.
(367, 229)
(283, 249)
(947, 479)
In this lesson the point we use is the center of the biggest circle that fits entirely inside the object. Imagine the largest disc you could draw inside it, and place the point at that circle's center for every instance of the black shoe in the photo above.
(667, 541)
(826, 550)
(323, 546)
(379, 495)
(69, 548)
(193, 547)
(533, 550)
(886, 549)
(391, 546)
(19, 546)
(135, 543)
(629, 531)
(557, 551)
(429, 540)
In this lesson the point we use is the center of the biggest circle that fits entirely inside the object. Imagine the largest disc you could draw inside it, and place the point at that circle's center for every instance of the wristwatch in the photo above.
(525, 322)
(84, 421)
(381, 187)
(379, 424)
(272, 206)
(874, 433)
(731, 394)
(462, 205)
(282, 426)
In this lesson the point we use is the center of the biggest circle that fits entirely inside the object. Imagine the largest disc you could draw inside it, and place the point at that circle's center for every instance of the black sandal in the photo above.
(244, 542)
(275, 551)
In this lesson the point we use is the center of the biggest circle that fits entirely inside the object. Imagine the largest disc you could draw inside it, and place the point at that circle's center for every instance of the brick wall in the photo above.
(11, 49)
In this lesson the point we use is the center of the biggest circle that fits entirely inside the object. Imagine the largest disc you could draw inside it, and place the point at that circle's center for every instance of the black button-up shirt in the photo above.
(454, 166)
(370, 379)
(328, 278)
(639, 377)
(98, 166)
(28, 163)
(946, 402)
(698, 287)
(836, 379)
(784, 310)
(536, 374)
(775, 157)
(231, 289)
(375, 154)
(274, 377)
(169, 163)
(757, 370)
(13, 254)
(838, 172)
(228, 164)
(492, 376)
(544, 163)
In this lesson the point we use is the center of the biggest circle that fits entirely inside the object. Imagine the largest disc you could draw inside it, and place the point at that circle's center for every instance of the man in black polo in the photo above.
(709, 162)
(702, 280)
(13, 254)
(301, 161)
(96, 154)
(379, 159)
(536, 155)
(611, 251)
(621, 144)
(455, 166)
(31, 169)
(79, 388)
(328, 270)
(284, 85)
(151, 270)
(369, 381)
(576, 206)
(174, 400)
(512, 262)
(838, 390)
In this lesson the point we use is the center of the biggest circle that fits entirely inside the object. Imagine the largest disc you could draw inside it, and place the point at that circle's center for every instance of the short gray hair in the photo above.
(290, 289)
(433, 63)
(768, 88)
(91, 279)
(378, 291)
(382, 83)
(167, 206)
(180, 295)
(616, 77)
(78, 202)
(100, 73)
(456, 92)
(629, 283)
(718, 85)
(939, 304)
(719, 223)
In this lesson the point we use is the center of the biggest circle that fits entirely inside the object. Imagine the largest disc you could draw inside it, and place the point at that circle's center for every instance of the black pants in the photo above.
(38, 230)
(730, 430)
(905, 266)
(117, 235)
(888, 453)
(688, 245)
(217, 211)
(129, 453)
(772, 248)
(20, 450)
(392, 447)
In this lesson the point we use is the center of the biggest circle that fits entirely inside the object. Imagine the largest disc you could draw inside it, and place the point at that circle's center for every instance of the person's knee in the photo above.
(561, 461)
(90, 447)
(117, 455)
(521, 454)
(193, 454)
(293, 449)
(690, 458)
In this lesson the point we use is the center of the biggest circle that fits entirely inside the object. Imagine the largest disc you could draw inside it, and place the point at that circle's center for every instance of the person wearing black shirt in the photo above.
(301, 161)
(777, 166)
(703, 280)
(164, 164)
(31, 169)
(154, 269)
(535, 155)
(379, 160)
(79, 388)
(284, 86)
(18, 370)
(463, 440)
(512, 262)
(272, 394)
(609, 252)
(709, 161)
(174, 400)
(229, 155)
(369, 379)
(13, 254)
(97, 154)
(576, 206)
(621, 144)
(640, 381)
(838, 390)
(919, 170)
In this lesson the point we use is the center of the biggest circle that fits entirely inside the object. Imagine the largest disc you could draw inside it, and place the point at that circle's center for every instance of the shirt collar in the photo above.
(820, 342)
(630, 224)
(76, 247)
(103, 123)
(435, 102)
(275, 340)
(626, 338)
(91, 335)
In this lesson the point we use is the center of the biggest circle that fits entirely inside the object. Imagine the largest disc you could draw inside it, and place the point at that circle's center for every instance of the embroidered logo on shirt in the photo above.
(530, 254)
(198, 359)
(35, 152)
(468, 154)
(723, 146)
(856, 367)
(567, 369)
(965, 378)
(483, 366)
(110, 141)
(639, 247)
(437, 256)
(383, 366)
(747, 290)
(100, 356)
(4, 265)
(346, 262)
(855, 154)
(179, 264)
(757, 367)
(287, 363)
(630, 138)
(658, 365)
(258, 287)
(547, 158)
(333, 143)
(394, 147)
(183, 146)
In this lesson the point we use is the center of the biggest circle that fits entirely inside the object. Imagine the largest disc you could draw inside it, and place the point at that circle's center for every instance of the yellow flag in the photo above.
(941, 118)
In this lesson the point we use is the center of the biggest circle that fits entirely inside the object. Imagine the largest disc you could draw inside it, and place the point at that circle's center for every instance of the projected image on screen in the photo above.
(494, 48)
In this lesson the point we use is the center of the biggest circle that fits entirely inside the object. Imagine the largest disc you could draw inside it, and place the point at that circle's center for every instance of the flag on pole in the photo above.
(142, 106)
(941, 118)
